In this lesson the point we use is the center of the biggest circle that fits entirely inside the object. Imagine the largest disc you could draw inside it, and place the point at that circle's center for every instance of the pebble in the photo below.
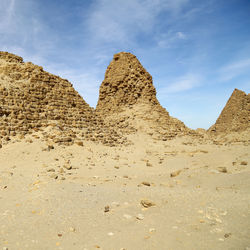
(145, 183)
(54, 176)
(222, 169)
(68, 167)
(243, 163)
(152, 230)
(106, 209)
(140, 216)
(72, 229)
(147, 203)
(110, 234)
(51, 170)
(174, 174)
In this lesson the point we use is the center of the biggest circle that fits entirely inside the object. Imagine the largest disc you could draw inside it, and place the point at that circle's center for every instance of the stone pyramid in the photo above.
(235, 117)
(33, 100)
(127, 101)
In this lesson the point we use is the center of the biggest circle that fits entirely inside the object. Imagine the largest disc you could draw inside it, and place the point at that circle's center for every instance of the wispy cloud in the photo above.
(183, 83)
(235, 69)
(120, 21)
(170, 38)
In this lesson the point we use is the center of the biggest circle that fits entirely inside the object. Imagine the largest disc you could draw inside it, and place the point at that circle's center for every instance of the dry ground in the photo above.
(90, 197)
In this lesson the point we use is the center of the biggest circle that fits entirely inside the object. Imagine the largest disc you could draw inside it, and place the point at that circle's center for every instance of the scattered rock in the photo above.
(147, 203)
(222, 169)
(227, 235)
(140, 216)
(174, 174)
(106, 209)
(243, 163)
(51, 170)
(146, 183)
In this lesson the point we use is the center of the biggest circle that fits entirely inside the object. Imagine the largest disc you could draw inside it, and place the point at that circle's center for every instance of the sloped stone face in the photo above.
(127, 101)
(235, 117)
(126, 83)
(32, 99)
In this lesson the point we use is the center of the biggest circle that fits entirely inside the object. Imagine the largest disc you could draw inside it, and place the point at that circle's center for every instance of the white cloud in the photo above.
(120, 21)
(184, 83)
(169, 39)
(234, 69)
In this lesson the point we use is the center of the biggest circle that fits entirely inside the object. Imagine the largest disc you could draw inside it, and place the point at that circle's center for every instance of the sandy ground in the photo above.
(96, 197)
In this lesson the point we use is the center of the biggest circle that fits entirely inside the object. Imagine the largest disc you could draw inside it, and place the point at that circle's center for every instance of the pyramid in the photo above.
(235, 117)
(127, 101)
(33, 100)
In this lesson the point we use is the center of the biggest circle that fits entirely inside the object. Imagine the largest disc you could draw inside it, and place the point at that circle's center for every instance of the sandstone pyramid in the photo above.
(235, 117)
(127, 101)
(33, 100)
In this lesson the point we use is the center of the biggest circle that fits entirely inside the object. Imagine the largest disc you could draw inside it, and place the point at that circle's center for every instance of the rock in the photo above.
(145, 183)
(148, 164)
(147, 203)
(174, 174)
(106, 209)
(243, 163)
(227, 235)
(54, 176)
(140, 216)
(222, 169)
(51, 170)
(72, 229)
(67, 166)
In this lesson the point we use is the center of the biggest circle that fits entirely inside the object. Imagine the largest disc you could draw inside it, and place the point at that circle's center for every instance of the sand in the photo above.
(95, 196)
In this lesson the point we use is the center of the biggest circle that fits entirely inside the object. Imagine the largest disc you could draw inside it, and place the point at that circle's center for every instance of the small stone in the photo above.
(68, 167)
(147, 203)
(148, 164)
(227, 235)
(59, 235)
(106, 209)
(50, 147)
(145, 183)
(5, 248)
(152, 230)
(54, 176)
(174, 174)
(110, 234)
(72, 229)
(116, 167)
(140, 216)
(243, 163)
(222, 169)
(51, 170)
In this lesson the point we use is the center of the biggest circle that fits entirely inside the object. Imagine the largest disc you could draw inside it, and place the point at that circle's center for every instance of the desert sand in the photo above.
(124, 176)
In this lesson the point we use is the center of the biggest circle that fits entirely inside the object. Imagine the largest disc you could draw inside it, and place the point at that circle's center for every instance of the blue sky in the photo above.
(196, 51)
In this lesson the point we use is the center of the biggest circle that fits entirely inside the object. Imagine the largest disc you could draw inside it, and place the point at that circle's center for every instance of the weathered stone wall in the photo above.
(235, 117)
(32, 99)
(127, 96)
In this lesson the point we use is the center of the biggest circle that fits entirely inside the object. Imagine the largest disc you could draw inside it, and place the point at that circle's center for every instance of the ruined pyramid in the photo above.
(235, 117)
(127, 101)
(33, 100)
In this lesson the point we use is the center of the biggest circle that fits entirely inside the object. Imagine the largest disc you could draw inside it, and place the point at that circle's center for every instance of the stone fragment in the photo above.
(106, 209)
(147, 203)
(140, 216)
(176, 173)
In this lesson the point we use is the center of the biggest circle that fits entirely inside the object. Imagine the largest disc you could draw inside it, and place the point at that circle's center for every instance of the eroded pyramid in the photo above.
(127, 101)
(33, 100)
(235, 117)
